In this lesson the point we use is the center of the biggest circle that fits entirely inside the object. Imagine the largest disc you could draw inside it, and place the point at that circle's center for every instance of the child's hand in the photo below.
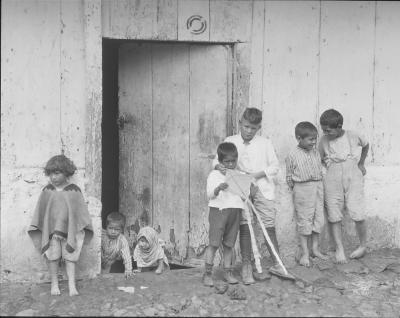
(253, 190)
(221, 168)
(129, 274)
(362, 168)
(221, 187)
(290, 183)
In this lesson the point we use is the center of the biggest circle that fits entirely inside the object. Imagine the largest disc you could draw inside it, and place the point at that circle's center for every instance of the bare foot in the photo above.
(305, 260)
(160, 268)
(55, 291)
(359, 252)
(340, 258)
(318, 254)
(73, 292)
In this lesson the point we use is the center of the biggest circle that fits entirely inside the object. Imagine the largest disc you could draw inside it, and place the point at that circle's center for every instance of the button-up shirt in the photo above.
(225, 199)
(254, 156)
(303, 165)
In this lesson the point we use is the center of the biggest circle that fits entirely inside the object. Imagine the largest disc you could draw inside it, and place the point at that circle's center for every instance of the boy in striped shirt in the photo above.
(304, 177)
(114, 244)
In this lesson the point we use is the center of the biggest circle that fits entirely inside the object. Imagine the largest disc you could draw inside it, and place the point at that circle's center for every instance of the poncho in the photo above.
(149, 257)
(60, 212)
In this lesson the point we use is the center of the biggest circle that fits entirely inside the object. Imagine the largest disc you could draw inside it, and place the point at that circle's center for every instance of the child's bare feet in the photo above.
(305, 260)
(160, 267)
(359, 252)
(55, 291)
(73, 291)
(340, 258)
(317, 253)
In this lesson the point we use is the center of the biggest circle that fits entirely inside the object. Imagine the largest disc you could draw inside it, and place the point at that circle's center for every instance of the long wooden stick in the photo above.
(254, 247)
(267, 237)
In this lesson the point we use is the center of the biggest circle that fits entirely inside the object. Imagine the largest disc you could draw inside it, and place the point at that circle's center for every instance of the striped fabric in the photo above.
(114, 249)
(303, 165)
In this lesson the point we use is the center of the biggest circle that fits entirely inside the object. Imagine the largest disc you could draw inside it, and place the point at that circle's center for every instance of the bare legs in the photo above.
(160, 267)
(361, 229)
(305, 256)
(70, 268)
(53, 269)
(340, 257)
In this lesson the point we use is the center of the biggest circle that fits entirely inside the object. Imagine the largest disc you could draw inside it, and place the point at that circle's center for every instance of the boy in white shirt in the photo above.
(256, 157)
(224, 216)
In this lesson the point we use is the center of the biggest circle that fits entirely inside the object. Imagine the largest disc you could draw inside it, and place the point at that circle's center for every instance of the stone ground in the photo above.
(369, 287)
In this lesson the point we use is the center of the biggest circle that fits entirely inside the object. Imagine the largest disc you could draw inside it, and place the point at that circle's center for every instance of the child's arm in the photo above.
(364, 153)
(289, 172)
(272, 165)
(214, 185)
(126, 256)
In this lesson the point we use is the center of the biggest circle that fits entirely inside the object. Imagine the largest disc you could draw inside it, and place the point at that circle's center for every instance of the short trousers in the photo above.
(57, 249)
(344, 189)
(224, 226)
(265, 208)
(308, 200)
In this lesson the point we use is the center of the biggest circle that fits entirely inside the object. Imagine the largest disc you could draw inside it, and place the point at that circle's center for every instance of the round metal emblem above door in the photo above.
(196, 24)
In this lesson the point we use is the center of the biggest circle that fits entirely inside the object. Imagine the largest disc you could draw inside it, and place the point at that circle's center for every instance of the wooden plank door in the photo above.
(173, 104)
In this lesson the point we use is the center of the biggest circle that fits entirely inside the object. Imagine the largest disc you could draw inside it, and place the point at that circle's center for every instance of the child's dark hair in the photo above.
(331, 118)
(60, 163)
(116, 217)
(226, 148)
(252, 115)
(305, 129)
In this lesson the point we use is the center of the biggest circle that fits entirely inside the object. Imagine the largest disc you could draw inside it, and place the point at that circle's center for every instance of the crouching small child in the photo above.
(114, 244)
(61, 221)
(148, 251)
(304, 177)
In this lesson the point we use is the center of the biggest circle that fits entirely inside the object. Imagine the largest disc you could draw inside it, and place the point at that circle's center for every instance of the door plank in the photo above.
(171, 145)
(135, 102)
(208, 111)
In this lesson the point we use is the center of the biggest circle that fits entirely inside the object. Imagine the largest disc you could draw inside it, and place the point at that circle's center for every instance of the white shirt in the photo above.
(225, 199)
(255, 156)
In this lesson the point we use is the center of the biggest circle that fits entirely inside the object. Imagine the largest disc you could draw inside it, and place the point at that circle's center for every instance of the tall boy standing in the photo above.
(344, 180)
(256, 157)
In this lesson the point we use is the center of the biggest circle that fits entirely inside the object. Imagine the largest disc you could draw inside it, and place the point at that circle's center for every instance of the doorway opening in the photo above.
(166, 107)
(109, 130)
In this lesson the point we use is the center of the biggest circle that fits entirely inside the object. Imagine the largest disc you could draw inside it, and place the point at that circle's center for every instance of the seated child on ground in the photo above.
(224, 216)
(304, 177)
(114, 245)
(61, 221)
(148, 251)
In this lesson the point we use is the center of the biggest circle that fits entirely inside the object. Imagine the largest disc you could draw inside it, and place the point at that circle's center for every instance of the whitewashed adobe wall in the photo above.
(308, 56)
(47, 99)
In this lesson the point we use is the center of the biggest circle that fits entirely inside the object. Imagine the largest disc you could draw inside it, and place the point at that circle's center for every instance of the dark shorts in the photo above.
(224, 226)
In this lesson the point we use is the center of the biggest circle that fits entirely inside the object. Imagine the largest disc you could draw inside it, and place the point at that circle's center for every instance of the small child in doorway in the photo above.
(148, 251)
(344, 179)
(224, 216)
(258, 159)
(61, 221)
(304, 177)
(114, 244)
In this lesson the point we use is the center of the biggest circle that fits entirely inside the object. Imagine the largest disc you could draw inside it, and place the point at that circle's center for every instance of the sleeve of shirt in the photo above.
(273, 164)
(289, 169)
(212, 183)
(126, 254)
(362, 139)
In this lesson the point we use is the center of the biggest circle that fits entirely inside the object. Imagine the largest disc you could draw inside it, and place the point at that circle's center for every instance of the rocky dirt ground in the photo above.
(369, 287)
